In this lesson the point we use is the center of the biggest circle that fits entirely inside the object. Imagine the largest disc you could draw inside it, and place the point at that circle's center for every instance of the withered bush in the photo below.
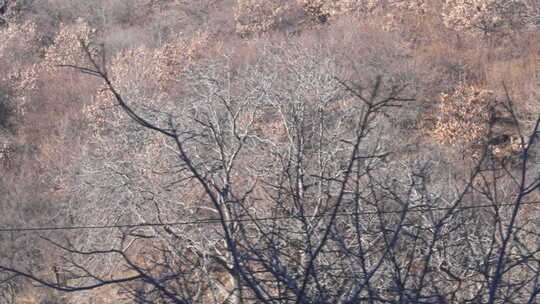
(464, 115)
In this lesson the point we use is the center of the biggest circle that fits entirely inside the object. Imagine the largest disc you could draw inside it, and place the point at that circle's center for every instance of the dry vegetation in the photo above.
(292, 110)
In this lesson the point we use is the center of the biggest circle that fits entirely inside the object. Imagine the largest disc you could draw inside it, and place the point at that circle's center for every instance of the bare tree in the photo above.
(308, 201)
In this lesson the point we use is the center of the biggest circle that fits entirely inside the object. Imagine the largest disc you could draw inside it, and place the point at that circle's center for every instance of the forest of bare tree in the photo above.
(257, 151)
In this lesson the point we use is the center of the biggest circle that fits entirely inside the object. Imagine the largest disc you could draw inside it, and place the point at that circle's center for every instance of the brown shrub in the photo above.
(463, 115)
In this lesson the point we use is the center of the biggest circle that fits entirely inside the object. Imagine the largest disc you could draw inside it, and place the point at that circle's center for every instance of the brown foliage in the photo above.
(464, 115)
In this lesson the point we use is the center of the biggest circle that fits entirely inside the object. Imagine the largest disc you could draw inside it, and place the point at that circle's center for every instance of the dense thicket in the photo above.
(346, 151)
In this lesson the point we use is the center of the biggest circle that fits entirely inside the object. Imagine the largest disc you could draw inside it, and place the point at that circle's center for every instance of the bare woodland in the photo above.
(250, 151)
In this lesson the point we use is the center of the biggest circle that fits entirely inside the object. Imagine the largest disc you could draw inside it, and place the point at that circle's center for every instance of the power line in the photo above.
(217, 220)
